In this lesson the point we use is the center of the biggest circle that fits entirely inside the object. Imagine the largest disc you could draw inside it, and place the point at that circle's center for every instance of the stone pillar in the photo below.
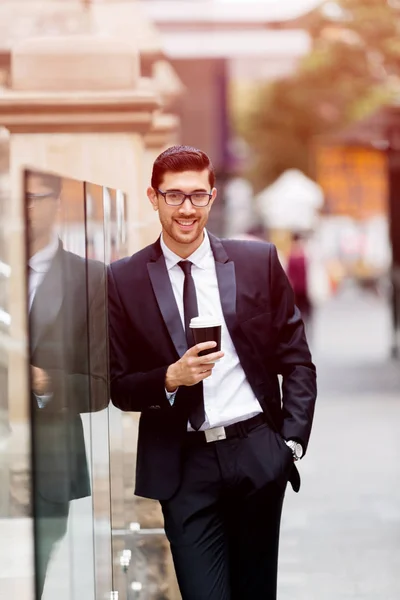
(77, 106)
(126, 20)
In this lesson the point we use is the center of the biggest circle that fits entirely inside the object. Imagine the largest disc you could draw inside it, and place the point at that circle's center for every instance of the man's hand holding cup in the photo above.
(198, 362)
(192, 368)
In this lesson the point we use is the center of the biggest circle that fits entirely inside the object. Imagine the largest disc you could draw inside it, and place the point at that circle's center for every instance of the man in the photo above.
(213, 434)
(66, 302)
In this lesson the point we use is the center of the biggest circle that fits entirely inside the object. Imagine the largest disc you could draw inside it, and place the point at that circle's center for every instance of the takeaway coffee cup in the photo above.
(206, 329)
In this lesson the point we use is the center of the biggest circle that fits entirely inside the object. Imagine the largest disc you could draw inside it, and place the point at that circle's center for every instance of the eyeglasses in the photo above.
(198, 199)
(32, 196)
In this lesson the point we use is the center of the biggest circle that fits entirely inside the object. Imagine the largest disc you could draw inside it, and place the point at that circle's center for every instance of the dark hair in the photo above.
(178, 159)
(53, 182)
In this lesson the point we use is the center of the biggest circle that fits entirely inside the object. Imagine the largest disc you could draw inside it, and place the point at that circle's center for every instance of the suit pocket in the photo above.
(271, 459)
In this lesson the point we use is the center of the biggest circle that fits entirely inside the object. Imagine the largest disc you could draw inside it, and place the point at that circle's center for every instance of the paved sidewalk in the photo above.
(341, 533)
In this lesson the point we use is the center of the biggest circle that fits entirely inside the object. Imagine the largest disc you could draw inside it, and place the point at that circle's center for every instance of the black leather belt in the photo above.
(215, 434)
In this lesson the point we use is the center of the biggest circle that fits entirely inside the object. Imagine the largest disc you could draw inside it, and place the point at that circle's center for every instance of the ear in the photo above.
(214, 195)
(152, 196)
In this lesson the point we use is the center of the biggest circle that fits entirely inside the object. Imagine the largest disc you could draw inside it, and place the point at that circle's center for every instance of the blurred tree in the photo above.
(353, 68)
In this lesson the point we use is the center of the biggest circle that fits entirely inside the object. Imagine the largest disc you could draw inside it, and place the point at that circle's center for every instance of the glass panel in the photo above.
(16, 527)
(99, 417)
(115, 247)
(59, 338)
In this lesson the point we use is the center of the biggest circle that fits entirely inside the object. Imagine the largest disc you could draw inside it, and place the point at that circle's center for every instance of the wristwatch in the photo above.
(296, 448)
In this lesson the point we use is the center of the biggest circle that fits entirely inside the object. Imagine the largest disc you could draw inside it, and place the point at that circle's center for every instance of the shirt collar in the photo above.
(40, 261)
(198, 258)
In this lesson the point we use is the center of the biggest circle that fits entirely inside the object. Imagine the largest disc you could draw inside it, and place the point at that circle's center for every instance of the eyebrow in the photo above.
(182, 192)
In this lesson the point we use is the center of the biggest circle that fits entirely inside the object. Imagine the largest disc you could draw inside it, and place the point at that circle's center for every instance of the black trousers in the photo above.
(223, 523)
(51, 519)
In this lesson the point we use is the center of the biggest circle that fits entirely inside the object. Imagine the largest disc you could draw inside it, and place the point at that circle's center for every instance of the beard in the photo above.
(180, 235)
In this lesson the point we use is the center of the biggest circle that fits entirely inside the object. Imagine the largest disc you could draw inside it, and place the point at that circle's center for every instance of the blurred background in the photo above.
(297, 102)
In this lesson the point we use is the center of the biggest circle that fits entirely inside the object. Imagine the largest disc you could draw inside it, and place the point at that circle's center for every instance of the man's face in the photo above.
(43, 207)
(183, 225)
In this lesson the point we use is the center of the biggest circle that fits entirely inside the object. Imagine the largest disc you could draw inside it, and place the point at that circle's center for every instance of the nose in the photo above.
(187, 207)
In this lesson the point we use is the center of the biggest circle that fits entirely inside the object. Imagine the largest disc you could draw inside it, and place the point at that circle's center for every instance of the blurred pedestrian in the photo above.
(297, 271)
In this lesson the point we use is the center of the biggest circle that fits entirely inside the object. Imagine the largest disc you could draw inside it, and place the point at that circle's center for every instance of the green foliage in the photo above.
(351, 71)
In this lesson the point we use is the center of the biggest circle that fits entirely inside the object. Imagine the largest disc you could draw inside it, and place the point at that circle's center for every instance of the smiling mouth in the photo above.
(185, 223)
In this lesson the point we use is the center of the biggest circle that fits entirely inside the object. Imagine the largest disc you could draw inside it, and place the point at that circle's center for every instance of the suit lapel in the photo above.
(225, 269)
(47, 302)
(226, 276)
(166, 300)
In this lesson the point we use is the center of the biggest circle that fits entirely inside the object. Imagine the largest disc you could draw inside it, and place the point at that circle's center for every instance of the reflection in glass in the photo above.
(68, 378)
(115, 220)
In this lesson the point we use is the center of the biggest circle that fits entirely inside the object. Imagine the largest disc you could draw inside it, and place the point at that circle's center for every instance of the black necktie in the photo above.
(197, 414)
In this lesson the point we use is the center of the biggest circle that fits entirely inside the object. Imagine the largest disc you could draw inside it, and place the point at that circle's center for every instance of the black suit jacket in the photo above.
(146, 336)
(67, 338)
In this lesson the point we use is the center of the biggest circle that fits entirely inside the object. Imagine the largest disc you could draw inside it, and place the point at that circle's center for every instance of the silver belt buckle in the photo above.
(215, 434)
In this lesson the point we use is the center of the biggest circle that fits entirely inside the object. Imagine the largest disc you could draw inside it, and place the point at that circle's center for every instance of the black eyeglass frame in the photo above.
(164, 194)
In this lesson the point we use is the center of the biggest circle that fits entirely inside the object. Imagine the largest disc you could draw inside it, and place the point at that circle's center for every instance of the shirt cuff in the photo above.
(171, 396)
(43, 400)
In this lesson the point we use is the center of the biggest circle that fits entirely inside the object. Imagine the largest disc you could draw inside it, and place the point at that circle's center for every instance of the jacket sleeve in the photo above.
(130, 390)
(80, 383)
(293, 358)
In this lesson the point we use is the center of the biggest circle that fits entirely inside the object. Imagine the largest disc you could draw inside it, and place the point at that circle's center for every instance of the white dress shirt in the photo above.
(228, 397)
(39, 264)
